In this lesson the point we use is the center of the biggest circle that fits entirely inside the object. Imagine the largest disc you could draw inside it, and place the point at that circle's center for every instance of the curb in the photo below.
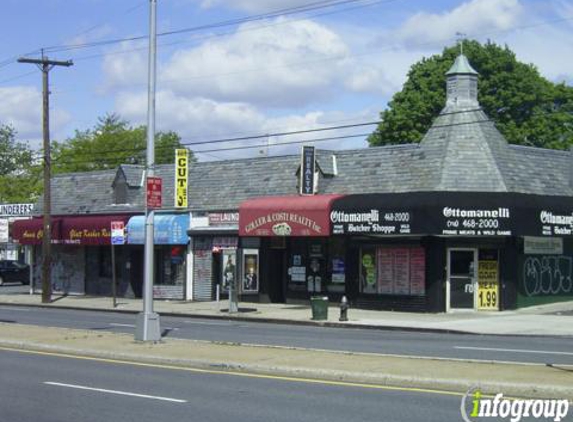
(309, 323)
(266, 320)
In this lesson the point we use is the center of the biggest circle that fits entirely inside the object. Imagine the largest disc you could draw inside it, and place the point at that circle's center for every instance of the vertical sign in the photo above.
(181, 178)
(307, 171)
(154, 192)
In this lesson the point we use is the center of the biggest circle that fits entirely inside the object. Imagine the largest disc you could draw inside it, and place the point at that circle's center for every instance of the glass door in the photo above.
(461, 282)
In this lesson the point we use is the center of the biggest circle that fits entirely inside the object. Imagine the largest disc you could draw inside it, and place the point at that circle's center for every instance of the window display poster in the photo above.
(250, 271)
(368, 271)
(417, 272)
(229, 269)
(401, 271)
(488, 285)
(338, 271)
(385, 271)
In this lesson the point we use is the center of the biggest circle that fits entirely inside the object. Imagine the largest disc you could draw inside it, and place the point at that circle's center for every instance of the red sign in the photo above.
(286, 216)
(154, 192)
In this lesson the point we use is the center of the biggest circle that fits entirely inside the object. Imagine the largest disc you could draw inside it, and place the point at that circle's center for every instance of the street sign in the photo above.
(117, 233)
(154, 192)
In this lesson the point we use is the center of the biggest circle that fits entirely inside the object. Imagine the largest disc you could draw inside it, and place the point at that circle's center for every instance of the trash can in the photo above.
(319, 306)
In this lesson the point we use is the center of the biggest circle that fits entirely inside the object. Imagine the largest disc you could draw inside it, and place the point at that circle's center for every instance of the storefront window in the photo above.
(393, 271)
(337, 266)
(250, 271)
(229, 269)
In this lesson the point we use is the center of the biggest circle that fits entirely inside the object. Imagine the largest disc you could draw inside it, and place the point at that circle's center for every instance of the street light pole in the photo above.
(147, 324)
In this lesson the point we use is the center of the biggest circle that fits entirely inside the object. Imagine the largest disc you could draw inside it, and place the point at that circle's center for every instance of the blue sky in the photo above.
(334, 65)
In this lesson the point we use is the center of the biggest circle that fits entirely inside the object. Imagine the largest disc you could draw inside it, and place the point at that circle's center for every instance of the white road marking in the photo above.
(121, 393)
(491, 349)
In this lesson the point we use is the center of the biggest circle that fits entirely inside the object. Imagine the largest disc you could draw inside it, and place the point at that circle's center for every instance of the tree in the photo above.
(110, 143)
(20, 176)
(527, 108)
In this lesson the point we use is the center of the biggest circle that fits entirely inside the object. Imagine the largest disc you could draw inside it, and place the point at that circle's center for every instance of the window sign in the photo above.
(368, 271)
(338, 271)
(250, 271)
(488, 284)
(229, 275)
(398, 271)
(385, 261)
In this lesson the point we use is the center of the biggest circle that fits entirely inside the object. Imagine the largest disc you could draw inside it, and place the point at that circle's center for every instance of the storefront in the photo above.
(171, 251)
(295, 256)
(80, 254)
(216, 254)
(443, 251)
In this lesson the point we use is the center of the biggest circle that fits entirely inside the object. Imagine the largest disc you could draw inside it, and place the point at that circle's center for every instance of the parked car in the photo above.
(14, 271)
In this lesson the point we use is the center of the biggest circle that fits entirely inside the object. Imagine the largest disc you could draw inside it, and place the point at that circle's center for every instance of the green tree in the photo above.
(20, 176)
(110, 143)
(527, 108)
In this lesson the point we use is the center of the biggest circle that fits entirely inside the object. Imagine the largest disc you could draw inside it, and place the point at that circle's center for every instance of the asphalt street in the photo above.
(45, 388)
(554, 350)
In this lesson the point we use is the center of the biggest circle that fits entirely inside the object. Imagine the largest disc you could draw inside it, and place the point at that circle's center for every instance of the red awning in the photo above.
(286, 216)
(31, 232)
(78, 230)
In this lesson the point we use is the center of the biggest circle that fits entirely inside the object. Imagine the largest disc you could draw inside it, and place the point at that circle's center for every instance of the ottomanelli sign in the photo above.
(476, 221)
(285, 224)
(371, 222)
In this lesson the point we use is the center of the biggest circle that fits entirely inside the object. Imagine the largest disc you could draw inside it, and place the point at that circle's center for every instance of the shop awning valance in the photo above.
(168, 229)
(467, 214)
(73, 230)
(286, 216)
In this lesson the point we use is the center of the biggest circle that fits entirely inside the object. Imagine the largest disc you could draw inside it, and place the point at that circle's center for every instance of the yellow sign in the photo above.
(181, 178)
(488, 285)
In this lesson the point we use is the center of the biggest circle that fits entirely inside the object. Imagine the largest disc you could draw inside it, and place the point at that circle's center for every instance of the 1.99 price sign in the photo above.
(488, 285)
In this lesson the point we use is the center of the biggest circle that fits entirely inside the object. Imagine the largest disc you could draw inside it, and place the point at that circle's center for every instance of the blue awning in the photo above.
(168, 229)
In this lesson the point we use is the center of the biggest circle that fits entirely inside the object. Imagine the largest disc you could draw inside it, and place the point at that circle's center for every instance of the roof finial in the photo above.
(460, 37)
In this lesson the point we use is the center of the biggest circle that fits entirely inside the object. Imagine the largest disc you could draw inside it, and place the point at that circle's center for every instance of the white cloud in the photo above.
(201, 119)
(284, 64)
(256, 6)
(471, 18)
(125, 67)
(21, 107)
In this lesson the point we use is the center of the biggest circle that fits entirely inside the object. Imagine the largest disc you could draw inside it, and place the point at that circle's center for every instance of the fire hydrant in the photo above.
(344, 309)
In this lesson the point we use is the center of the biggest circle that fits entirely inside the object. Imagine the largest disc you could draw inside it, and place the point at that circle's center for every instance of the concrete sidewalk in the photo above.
(547, 320)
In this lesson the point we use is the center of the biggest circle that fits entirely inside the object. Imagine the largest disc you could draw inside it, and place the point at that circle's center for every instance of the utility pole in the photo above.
(45, 66)
(147, 324)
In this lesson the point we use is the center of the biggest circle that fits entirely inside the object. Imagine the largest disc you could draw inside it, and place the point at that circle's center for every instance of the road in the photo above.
(481, 347)
(42, 388)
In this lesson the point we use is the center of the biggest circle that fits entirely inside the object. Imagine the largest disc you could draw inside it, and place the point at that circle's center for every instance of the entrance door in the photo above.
(462, 264)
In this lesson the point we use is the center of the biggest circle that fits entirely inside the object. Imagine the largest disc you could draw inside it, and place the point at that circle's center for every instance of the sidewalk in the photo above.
(547, 320)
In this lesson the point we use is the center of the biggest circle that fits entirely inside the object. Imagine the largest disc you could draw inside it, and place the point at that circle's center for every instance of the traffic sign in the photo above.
(117, 233)
(154, 192)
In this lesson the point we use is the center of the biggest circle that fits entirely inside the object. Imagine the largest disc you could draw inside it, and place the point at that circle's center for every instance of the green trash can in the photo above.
(319, 306)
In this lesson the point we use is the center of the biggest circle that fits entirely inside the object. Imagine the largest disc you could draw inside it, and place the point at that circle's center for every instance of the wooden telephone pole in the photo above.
(45, 66)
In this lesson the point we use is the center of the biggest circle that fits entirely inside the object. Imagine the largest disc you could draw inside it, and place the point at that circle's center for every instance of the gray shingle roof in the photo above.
(463, 151)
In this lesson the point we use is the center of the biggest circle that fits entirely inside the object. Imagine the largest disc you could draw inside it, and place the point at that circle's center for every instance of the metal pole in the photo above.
(147, 326)
(113, 277)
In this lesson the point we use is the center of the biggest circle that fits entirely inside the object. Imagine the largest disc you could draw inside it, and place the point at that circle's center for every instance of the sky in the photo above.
(250, 68)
